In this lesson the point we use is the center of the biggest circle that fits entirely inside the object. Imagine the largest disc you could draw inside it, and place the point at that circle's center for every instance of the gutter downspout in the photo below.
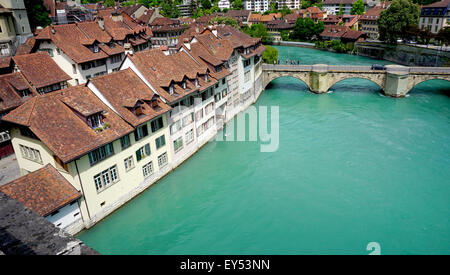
(81, 184)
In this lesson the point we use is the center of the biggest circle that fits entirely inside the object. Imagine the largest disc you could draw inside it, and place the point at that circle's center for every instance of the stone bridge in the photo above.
(395, 80)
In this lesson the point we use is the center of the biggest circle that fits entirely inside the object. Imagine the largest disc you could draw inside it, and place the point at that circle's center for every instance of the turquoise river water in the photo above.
(353, 167)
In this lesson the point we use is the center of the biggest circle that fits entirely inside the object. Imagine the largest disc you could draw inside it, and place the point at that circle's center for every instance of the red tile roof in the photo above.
(10, 84)
(162, 71)
(73, 39)
(40, 69)
(43, 191)
(57, 120)
(123, 89)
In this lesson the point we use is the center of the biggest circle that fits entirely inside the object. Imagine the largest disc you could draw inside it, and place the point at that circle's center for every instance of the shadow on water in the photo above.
(435, 86)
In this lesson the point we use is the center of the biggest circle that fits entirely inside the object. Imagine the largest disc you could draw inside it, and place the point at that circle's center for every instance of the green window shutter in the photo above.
(147, 149)
(138, 155)
(163, 140)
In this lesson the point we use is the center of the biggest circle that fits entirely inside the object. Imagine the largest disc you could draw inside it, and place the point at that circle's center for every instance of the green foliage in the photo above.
(128, 3)
(109, 3)
(169, 9)
(237, 5)
(397, 19)
(37, 13)
(259, 31)
(336, 45)
(305, 29)
(358, 7)
(206, 4)
(443, 36)
(270, 55)
(310, 3)
(225, 20)
(285, 35)
(341, 10)
(285, 11)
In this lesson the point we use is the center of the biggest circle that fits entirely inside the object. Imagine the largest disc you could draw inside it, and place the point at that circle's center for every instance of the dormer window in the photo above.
(95, 48)
(196, 82)
(184, 84)
(138, 110)
(171, 89)
(24, 93)
(95, 120)
(206, 77)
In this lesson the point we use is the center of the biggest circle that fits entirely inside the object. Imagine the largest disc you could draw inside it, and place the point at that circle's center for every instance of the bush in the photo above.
(270, 55)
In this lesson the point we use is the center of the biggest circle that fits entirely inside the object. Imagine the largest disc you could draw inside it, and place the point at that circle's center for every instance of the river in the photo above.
(353, 167)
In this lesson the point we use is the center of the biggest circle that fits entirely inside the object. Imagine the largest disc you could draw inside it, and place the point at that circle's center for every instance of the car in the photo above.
(378, 67)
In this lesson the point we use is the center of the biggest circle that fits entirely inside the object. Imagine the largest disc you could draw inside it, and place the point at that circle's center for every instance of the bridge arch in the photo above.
(303, 77)
(375, 78)
(416, 81)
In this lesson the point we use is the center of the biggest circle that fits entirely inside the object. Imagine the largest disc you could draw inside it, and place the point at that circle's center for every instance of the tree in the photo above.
(259, 31)
(270, 55)
(206, 4)
(358, 7)
(225, 20)
(37, 14)
(237, 5)
(306, 29)
(169, 9)
(109, 3)
(443, 36)
(285, 11)
(341, 10)
(397, 19)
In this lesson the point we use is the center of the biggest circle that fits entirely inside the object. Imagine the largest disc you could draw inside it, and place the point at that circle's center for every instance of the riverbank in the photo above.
(401, 54)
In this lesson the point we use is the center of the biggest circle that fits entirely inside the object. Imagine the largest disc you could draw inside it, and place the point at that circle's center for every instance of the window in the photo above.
(178, 144)
(196, 82)
(147, 169)
(200, 130)
(116, 58)
(140, 132)
(162, 160)
(175, 127)
(106, 178)
(74, 68)
(143, 152)
(95, 120)
(157, 124)
(171, 89)
(209, 108)
(190, 136)
(125, 141)
(129, 163)
(247, 76)
(101, 153)
(188, 119)
(160, 142)
(199, 115)
(247, 63)
(30, 153)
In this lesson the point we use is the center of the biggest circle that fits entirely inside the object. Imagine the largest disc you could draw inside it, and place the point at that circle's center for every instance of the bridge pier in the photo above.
(396, 84)
(319, 79)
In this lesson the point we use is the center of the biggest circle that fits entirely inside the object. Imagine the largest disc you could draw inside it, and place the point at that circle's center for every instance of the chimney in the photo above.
(101, 23)
(187, 43)
(115, 16)
(214, 30)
